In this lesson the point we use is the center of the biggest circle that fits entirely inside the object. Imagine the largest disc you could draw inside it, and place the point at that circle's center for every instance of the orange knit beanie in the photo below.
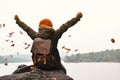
(45, 22)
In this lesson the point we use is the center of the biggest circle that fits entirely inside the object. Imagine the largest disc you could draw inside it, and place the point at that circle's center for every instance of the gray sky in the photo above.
(100, 23)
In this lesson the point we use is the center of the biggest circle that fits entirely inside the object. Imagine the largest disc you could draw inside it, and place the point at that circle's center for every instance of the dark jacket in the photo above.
(50, 33)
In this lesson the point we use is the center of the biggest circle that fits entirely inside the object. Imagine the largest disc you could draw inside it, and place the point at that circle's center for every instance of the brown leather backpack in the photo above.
(41, 53)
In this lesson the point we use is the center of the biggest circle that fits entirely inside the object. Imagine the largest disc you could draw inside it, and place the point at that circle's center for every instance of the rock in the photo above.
(24, 72)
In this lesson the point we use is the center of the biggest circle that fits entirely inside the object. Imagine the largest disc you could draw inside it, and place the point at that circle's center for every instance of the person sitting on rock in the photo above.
(46, 31)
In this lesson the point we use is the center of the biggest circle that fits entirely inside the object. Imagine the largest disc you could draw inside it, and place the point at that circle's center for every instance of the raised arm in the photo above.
(68, 24)
(25, 27)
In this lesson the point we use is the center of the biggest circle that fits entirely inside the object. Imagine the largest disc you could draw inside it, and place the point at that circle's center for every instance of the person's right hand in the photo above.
(16, 18)
(79, 15)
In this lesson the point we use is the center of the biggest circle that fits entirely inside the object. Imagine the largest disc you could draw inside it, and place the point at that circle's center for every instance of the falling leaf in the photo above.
(10, 34)
(63, 47)
(7, 40)
(69, 35)
(17, 53)
(29, 44)
(76, 50)
(68, 49)
(25, 43)
(6, 62)
(26, 47)
(13, 45)
(21, 32)
(113, 40)
(3, 25)
(12, 41)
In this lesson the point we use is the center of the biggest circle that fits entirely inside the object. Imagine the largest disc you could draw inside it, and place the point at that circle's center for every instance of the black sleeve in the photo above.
(27, 29)
(65, 26)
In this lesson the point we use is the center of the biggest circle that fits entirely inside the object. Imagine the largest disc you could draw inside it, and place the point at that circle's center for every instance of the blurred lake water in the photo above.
(78, 71)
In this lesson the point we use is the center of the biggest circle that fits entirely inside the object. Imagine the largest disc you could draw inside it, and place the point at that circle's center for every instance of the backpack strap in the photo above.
(35, 56)
(44, 53)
